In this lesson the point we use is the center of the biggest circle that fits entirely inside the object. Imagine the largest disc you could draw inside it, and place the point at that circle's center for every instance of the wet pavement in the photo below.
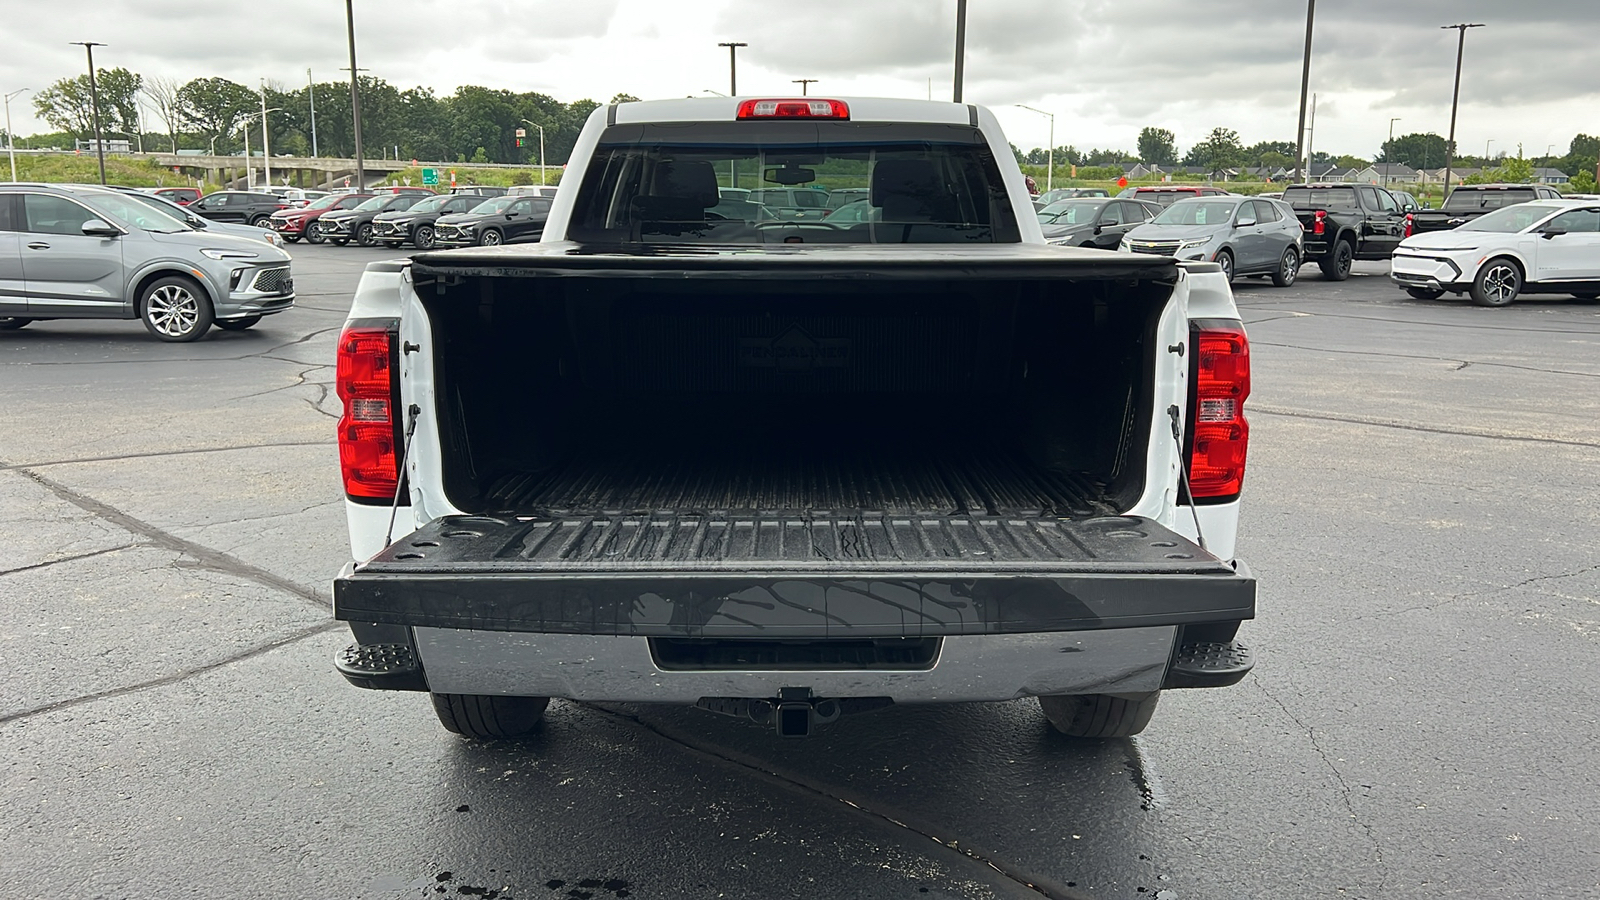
(1422, 721)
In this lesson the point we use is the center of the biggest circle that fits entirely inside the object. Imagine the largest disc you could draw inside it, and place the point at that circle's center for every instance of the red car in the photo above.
(183, 196)
(293, 224)
(1168, 194)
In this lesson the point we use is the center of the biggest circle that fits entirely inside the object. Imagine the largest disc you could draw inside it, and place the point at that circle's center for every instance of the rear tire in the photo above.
(1336, 265)
(1288, 268)
(261, 221)
(1497, 283)
(489, 717)
(1100, 715)
(1425, 293)
(238, 324)
(175, 309)
(12, 323)
(1225, 260)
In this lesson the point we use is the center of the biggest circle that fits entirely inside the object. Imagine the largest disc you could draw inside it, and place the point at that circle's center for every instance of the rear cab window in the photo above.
(1470, 199)
(661, 184)
(1321, 197)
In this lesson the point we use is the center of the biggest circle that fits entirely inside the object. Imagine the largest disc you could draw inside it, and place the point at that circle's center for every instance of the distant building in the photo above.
(111, 146)
(1376, 173)
(1550, 176)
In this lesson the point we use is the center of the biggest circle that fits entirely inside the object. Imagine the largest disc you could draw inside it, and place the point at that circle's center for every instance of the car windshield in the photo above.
(496, 205)
(1468, 200)
(1510, 219)
(327, 202)
(138, 214)
(1165, 198)
(1068, 212)
(659, 183)
(1198, 212)
(166, 207)
(374, 203)
(1320, 197)
(430, 204)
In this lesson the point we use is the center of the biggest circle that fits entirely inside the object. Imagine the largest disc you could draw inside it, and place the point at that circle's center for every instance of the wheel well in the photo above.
(157, 275)
(1522, 271)
(1348, 237)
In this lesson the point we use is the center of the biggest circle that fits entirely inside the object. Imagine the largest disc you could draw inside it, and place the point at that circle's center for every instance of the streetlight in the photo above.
(1388, 152)
(1300, 149)
(266, 142)
(804, 83)
(1049, 174)
(11, 139)
(733, 65)
(311, 95)
(1486, 152)
(1455, 99)
(961, 46)
(94, 103)
(244, 129)
(541, 147)
(355, 91)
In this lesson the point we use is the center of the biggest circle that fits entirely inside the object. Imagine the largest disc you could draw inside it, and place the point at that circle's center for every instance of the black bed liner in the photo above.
(793, 576)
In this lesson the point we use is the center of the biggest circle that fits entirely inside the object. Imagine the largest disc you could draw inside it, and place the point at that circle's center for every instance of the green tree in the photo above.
(1583, 182)
(1421, 150)
(1352, 162)
(67, 104)
(1584, 145)
(624, 98)
(215, 106)
(1270, 153)
(1157, 146)
(1220, 150)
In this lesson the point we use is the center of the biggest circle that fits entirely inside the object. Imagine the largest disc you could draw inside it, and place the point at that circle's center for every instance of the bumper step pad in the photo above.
(381, 667)
(1209, 664)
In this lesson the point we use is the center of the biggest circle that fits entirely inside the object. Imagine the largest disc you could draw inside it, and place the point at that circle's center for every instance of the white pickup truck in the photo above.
(685, 450)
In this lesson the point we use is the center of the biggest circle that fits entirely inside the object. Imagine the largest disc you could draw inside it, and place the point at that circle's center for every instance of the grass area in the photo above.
(85, 169)
(485, 177)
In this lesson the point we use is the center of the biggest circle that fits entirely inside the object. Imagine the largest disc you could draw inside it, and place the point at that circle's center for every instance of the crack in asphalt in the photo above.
(1044, 887)
(1344, 786)
(204, 557)
(300, 381)
(259, 354)
(260, 518)
(1429, 429)
(68, 559)
(174, 678)
(152, 454)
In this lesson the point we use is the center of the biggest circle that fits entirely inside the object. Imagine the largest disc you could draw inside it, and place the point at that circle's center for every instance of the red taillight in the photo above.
(368, 457)
(1321, 223)
(1221, 436)
(1411, 223)
(794, 108)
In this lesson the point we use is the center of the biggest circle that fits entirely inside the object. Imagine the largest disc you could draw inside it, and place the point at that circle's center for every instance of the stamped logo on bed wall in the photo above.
(794, 351)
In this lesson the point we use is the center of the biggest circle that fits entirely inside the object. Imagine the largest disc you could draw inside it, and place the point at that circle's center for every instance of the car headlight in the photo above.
(1195, 244)
(1124, 246)
(230, 254)
(272, 238)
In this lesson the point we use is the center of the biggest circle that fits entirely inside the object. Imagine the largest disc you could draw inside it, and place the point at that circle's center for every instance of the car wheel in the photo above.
(1586, 298)
(12, 323)
(175, 309)
(489, 717)
(1225, 260)
(423, 237)
(1498, 283)
(1100, 715)
(392, 245)
(261, 221)
(291, 238)
(490, 237)
(1336, 265)
(1288, 268)
(238, 324)
(364, 236)
(314, 234)
(1424, 293)
(340, 242)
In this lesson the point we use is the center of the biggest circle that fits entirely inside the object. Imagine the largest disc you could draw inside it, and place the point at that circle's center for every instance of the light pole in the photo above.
(94, 104)
(804, 83)
(1050, 171)
(541, 147)
(1486, 152)
(311, 95)
(266, 142)
(1300, 149)
(11, 139)
(1455, 99)
(961, 46)
(244, 128)
(733, 65)
(355, 91)
(1388, 152)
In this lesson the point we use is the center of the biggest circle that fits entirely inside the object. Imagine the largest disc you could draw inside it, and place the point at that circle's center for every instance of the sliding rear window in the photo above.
(668, 184)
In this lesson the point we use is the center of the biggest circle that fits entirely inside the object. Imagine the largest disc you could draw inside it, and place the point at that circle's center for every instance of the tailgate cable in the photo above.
(412, 412)
(1183, 473)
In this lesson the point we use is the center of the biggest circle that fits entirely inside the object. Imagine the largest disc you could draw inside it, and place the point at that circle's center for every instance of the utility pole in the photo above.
(94, 103)
(311, 94)
(1455, 100)
(733, 65)
(541, 148)
(249, 168)
(1302, 148)
(1311, 133)
(266, 145)
(1388, 152)
(355, 92)
(1050, 171)
(961, 45)
(11, 138)
(804, 83)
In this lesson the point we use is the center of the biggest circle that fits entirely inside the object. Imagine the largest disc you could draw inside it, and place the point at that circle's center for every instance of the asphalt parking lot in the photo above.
(1422, 721)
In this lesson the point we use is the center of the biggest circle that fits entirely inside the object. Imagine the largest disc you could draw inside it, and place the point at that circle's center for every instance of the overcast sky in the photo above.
(1106, 68)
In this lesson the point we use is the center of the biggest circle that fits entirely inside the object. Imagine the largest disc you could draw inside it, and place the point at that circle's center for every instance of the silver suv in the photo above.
(99, 255)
